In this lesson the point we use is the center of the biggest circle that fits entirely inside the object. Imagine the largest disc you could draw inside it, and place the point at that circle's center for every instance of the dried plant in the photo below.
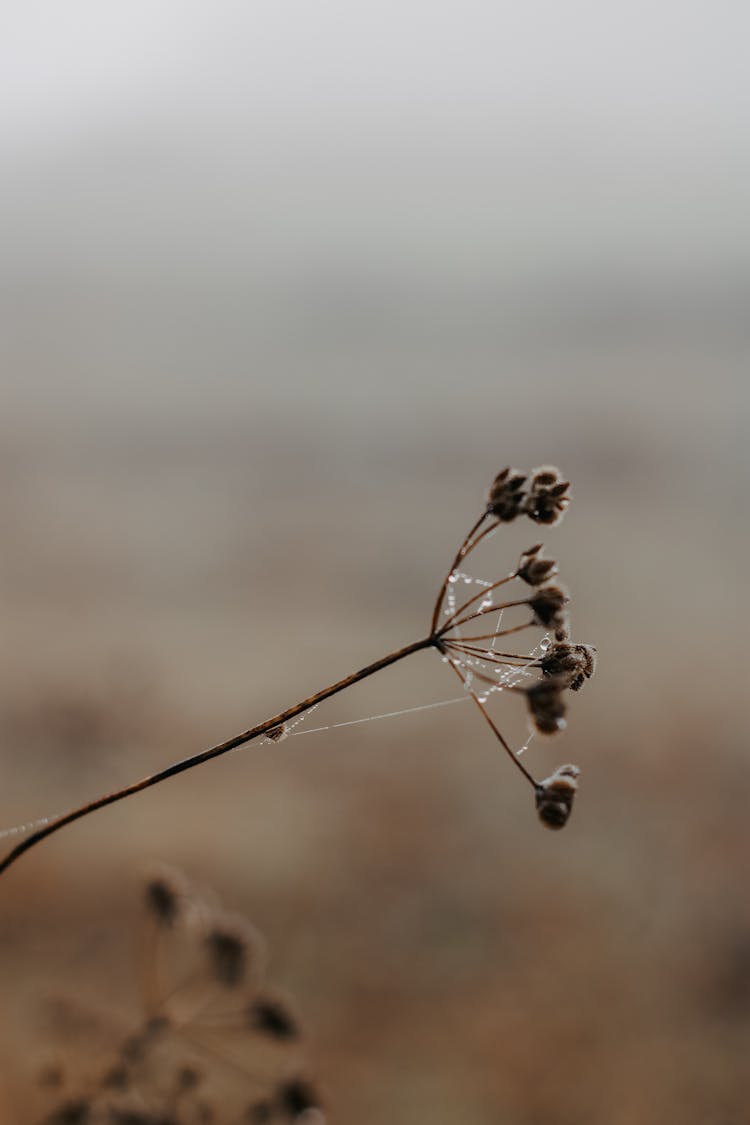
(214, 1045)
(541, 496)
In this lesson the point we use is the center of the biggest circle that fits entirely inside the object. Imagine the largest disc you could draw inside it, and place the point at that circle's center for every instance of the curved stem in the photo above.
(513, 757)
(482, 594)
(481, 613)
(212, 752)
(466, 547)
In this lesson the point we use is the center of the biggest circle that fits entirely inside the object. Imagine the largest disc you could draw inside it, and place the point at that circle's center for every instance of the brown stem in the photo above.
(481, 613)
(482, 594)
(213, 752)
(466, 547)
(513, 757)
(490, 656)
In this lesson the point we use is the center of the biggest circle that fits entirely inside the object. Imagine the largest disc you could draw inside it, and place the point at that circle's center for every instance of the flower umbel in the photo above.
(476, 657)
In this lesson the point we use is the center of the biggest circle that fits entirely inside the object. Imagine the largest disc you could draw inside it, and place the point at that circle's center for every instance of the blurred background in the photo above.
(282, 287)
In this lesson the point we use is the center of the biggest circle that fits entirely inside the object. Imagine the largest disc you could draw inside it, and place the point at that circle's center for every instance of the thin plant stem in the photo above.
(213, 752)
(482, 612)
(488, 654)
(466, 547)
(513, 757)
(482, 594)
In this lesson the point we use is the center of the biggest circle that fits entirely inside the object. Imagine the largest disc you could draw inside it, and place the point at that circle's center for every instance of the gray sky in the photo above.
(408, 136)
(652, 66)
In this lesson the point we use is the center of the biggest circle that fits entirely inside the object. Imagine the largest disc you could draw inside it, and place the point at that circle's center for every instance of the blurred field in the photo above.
(168, 579)
(253, 395)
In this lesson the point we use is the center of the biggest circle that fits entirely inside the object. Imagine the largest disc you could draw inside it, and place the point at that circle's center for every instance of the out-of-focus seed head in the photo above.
(506, 497)
(297, 1095)
(554, 796)
(76, 1111)
(548, 495)
(547, 705)
(166, 894)
(548, 604)
(270, 1016)
(533, 569)
(232, 946)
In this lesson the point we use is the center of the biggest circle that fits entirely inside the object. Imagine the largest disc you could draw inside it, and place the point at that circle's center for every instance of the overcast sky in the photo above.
(495, 131)
(663, 64)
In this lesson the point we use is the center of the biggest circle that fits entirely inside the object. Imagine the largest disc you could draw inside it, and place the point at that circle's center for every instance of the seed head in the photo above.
(548, 604)
(535, 570)
(297, 1095)
(573, 663)
(165, 892)
(547, 705)
(270, 1016)
(232, 945)
(76, 1111)
(554, 796)
(548, 495)
(506, 496)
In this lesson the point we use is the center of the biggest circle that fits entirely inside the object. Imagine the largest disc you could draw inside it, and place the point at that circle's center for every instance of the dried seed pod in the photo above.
(506, 497)
(548, 495)
(296, 1096)
(535, 570)
(554, 796)
(548, 604)
(545, 476)
(75, 1111)
(270, 1016)
(232, 946)
(573, 663)
(547, 705)
(166, 893)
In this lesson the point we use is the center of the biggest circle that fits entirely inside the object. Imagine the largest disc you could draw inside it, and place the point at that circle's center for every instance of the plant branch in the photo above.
(213, 752)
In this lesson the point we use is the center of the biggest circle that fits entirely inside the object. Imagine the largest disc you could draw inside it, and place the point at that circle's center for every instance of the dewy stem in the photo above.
(466, 548)
(213, 752)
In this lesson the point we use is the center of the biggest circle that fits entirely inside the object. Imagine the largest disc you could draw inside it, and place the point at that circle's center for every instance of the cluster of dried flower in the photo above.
(543, 496)
(215, 1044)
(544, 502)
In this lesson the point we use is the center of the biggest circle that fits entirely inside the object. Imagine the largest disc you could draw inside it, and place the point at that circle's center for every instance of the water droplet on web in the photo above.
(482, 698)
(467, 582)
(544, 644)
(453, 578)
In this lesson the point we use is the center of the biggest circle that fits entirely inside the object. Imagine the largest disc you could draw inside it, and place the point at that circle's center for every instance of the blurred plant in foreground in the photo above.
(215, 1045)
